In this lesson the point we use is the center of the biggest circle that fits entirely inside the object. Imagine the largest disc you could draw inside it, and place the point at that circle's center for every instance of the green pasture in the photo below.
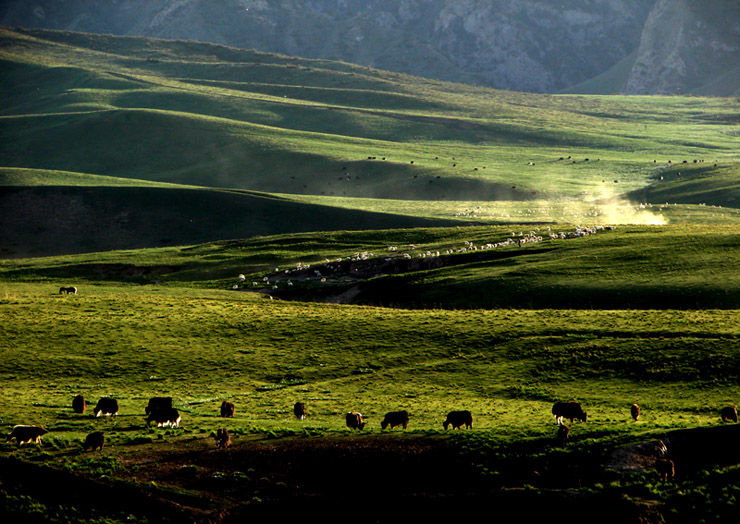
(213, 116)
(628, 267)
(203, 347)
(232, 167)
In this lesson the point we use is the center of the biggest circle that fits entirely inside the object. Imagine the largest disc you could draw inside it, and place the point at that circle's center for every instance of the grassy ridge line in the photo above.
(632, 267)
(524, 109)
(25, 177)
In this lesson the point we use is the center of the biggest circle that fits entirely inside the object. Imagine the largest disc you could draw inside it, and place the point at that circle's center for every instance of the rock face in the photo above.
(689, 46)
(528, 45)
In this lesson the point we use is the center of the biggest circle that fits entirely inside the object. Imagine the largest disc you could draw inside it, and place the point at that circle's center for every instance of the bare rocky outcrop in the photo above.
(686, 46)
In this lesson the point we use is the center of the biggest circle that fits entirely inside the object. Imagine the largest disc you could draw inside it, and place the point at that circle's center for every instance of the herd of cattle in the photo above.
(160, 411)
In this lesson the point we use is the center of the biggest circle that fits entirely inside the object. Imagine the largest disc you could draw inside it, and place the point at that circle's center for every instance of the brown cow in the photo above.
(459, 419)
(227, 409)
(355, 420)
(665, 468)
(94, 441)
(729, 413)
(78, 404)
(223, 439)
(395, 419)
(635, 410)
(299, 410)
(563, 433)
(26, 434)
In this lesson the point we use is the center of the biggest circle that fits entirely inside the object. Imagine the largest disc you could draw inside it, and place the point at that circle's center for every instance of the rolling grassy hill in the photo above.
(179, 336)
(216, 117)
(110, 143)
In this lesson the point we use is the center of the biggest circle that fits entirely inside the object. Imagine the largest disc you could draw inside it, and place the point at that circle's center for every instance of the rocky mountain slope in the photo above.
(528, 45)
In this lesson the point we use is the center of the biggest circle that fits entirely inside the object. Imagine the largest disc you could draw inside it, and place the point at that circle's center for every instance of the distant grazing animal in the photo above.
(635, 410)
(729, 413)
(94, 441)
(355, 420)
(164, 417)
(569, 410)
(395, 419)
(227, 409)
(26, 434)
(68, 290)
(78, 404)
(106, 406)
(458, 419)
(665, 468)
(299, 410)
(563, 433)
(223, 439)
(158, 403)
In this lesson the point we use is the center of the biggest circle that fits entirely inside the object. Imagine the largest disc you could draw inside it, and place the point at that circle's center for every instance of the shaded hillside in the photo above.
(52, 220)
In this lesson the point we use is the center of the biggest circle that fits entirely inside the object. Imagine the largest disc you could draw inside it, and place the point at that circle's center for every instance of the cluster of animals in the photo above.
(394, 419)
(334, 268)
(574, 411)
(160, 411)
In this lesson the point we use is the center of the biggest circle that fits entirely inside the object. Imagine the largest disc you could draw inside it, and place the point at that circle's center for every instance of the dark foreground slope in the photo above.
(69, 219)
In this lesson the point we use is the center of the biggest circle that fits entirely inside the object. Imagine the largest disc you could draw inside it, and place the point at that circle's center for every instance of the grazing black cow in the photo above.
(459, 419)
(635, 410)
(729, 413)
(68, 290)
(395, 419)
(94, 441)
(223, 439)
(164, 417)
(563, 433)
(158, 403)
(26, 434)
(227, 409)
(665, 468)
(299, 410)
(78, 404)
(569, 410)
(355, 420)
(106, 406)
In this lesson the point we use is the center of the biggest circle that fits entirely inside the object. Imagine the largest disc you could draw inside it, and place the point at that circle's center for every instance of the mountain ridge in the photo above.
(531, 45)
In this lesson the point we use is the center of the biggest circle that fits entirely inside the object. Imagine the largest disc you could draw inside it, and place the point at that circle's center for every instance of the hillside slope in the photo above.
(88, 216)
(172, 112)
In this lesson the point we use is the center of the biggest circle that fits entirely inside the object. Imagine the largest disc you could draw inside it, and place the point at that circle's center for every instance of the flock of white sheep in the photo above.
(301, 270)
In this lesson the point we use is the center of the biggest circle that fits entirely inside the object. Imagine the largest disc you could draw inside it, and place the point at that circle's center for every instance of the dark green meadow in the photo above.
(166, 322)
(186, 188)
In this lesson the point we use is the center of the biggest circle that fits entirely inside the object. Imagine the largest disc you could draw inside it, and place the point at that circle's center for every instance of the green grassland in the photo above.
(209, 116)
(226, 162)
(166, 322)
(507, 366)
